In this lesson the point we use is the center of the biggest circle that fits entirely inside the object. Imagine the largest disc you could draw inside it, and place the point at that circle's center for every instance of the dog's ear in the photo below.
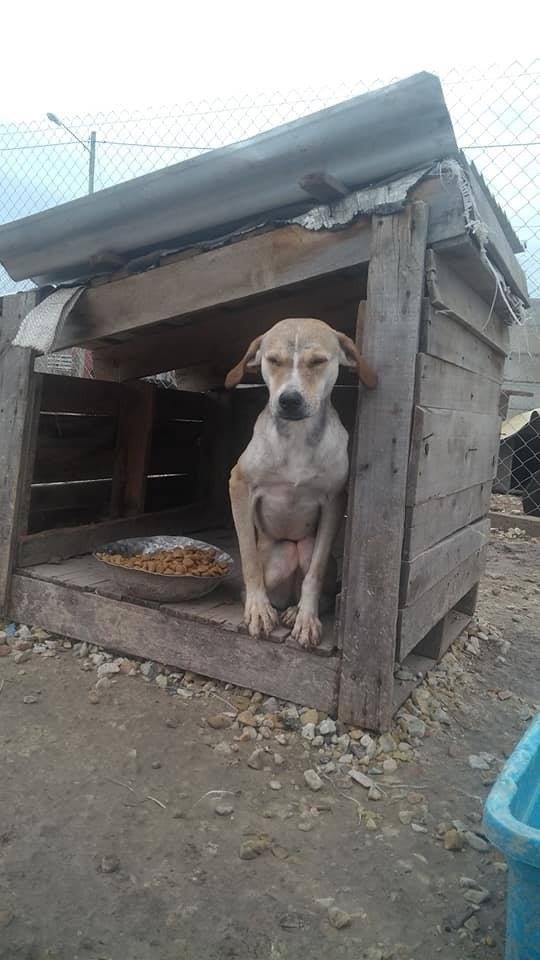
(250, 360)
(351, 357)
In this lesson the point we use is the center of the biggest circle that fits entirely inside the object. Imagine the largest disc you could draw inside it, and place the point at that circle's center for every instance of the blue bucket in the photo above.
(512, 823)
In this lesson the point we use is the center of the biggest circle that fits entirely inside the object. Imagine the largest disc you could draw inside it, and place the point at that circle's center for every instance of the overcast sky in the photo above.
(76, 57)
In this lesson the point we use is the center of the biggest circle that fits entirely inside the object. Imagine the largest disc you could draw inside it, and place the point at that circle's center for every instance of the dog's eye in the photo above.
(274, 361)
(317, 361)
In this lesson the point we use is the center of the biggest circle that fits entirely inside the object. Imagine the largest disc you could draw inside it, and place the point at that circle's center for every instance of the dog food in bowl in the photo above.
(182, 561)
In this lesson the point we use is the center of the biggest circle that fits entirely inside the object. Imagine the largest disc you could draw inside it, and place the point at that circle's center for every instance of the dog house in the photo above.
(364, 215)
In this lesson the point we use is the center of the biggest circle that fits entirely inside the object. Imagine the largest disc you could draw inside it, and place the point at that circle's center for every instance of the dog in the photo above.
(288, 488)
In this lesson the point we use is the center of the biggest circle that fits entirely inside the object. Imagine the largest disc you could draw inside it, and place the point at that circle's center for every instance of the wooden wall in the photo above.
(453, 459)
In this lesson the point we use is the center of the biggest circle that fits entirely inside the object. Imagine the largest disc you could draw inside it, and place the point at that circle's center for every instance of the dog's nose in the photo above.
(290, 401)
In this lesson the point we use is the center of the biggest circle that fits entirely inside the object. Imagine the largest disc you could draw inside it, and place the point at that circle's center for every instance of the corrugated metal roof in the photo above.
(368, 139)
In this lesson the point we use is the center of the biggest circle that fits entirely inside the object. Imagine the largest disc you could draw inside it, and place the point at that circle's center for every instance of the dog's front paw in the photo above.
(260, 616)
(307, 629)
(288, 617)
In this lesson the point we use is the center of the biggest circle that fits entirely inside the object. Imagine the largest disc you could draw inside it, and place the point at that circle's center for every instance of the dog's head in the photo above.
(299, 361)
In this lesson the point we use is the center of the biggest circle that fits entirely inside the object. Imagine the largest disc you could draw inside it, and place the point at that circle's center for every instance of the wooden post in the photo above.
(132, 454)
(20, 391)
(376, 510)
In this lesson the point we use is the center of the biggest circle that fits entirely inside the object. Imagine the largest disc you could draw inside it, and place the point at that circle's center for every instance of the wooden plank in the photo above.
(430, 566)
(72, 541)
(229, 329)
(443, 634)
(429, 522)
(74, 448)
(75, 395)
(252, 266)
(498, 246)
(450, 451)
(19, 413)
(376, 509)
(450, 340)
(207, 649)
(132, 451)
(416, 620)
(508, 521)
(446, 386)
(450, 293)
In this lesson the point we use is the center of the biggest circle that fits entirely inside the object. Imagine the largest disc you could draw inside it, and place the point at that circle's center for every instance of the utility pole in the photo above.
(90, 147)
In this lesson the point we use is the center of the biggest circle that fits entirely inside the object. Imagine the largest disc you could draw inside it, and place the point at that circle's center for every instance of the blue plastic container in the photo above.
(512, 823)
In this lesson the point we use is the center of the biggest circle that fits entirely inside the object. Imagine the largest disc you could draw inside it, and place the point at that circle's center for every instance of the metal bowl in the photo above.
(162, 587)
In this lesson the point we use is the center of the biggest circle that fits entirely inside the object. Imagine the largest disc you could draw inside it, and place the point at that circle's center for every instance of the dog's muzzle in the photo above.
(291, 405)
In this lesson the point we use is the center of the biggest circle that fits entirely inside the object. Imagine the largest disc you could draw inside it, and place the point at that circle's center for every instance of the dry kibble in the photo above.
(182, 561)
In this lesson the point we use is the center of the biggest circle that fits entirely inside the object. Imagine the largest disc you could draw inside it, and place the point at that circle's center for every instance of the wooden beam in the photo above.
(430, 566)
(430, 522)
(19, 416)
(454, 342)
(252, 266)
(133, 447)
(156, 634)
(376, 508)
(75, 395)
(53, 545)
(446, 386)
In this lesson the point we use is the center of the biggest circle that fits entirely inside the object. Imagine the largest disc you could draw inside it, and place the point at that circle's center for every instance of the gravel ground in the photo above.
(152, 815)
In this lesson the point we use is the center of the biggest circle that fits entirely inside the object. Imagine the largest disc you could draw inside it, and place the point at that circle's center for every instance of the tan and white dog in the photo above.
(288, 487)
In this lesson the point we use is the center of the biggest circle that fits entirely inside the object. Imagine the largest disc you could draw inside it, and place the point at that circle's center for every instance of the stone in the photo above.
(313, 780)
(362, 779)
(257, 698)
(413, 726)
(270, 705)
(24, 632)
(405, 817)
(476, 842)
(219, 721)
(22, 645)
(255, 760)
(93, 697)
(339, 918)
(223, 748)
(274, 785)
(161, 680)
(472, 925)
(480, 761)
(252, 848)
(346, 759)
(278, 760)
(308, 731)
(504, 694)
(309, 716)
(468, 883)
(30, 699)
(306, 825)
(223, 809)
(148, 669)
(156, 765)
(107, 670)
(343, 742)
(292, 921)
(247, 719)
(5, 650)
(282, 739)
(184, 694)
(22, 656)
(374, 793)
(386, 743)
(356, 734)
(109, 864)
(390, 765)
(279, 852)
(453, 840)
(477, 897)
(473, 646)
(327, 727)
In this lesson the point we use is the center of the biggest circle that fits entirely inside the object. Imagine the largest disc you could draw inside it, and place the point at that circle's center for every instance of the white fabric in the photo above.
(39, 328)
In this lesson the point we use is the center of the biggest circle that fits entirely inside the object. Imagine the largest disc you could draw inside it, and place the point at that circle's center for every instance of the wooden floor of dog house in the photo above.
(74, 598)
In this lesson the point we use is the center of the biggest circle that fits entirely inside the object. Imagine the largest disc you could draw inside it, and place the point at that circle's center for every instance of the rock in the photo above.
(3, 637)
(22, 645)
(96, 659)
(30, 699)
(162, 680)
(308, 731)
(356, 734)
(223, 809)
(219, 721)
(24, 632)
(282, 739)
(473, 646)
(453, 840)
(454, 750)
(386, 743)
(476, 842)
(346, 759)
(156, 765)
(327, 727)
(274, 785)
(504, 694)
(339, 918)
(279, 852)
(418, 828)
(107, 670)
(290, 718)
(477, 897)
(306, 825)
(94, 697)
(390, 765)
(22, 656)
(255, 761)
(468, 883)
(292, 921)
(109, 864)
(172, 723)
(313, 780)
(270, 705)
(247, 719)
(374, 793)
(257, 698)
(252, 848)
(5, 650)
(148, 669)
(104, 683)
(278, 760)
(362, 779)
(480, 761)
(472, 925)
(405, 817)
(413, 726)
(317, 741)
(184, 694)
(223, 748)
(309, 716)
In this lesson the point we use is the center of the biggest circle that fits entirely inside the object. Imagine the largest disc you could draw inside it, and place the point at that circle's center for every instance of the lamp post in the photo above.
(90, 147)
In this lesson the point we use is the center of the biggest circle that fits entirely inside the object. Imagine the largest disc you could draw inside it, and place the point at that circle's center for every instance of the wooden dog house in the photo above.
(370, 222)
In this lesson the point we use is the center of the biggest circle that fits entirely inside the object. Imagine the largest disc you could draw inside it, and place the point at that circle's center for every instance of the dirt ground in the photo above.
(117, 844)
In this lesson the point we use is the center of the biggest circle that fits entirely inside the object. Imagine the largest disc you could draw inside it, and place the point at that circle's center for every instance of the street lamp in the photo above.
(90, 147)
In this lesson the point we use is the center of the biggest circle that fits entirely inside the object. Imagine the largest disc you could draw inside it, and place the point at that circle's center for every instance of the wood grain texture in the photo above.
(450, 451)
(376, 509)
(205, 648)
(447, 386)
(450, 340)
(19, 414)
(441, 637)
(430, 522)
(133, 448)
(430, 566)
(252, 266)
(416, 620)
